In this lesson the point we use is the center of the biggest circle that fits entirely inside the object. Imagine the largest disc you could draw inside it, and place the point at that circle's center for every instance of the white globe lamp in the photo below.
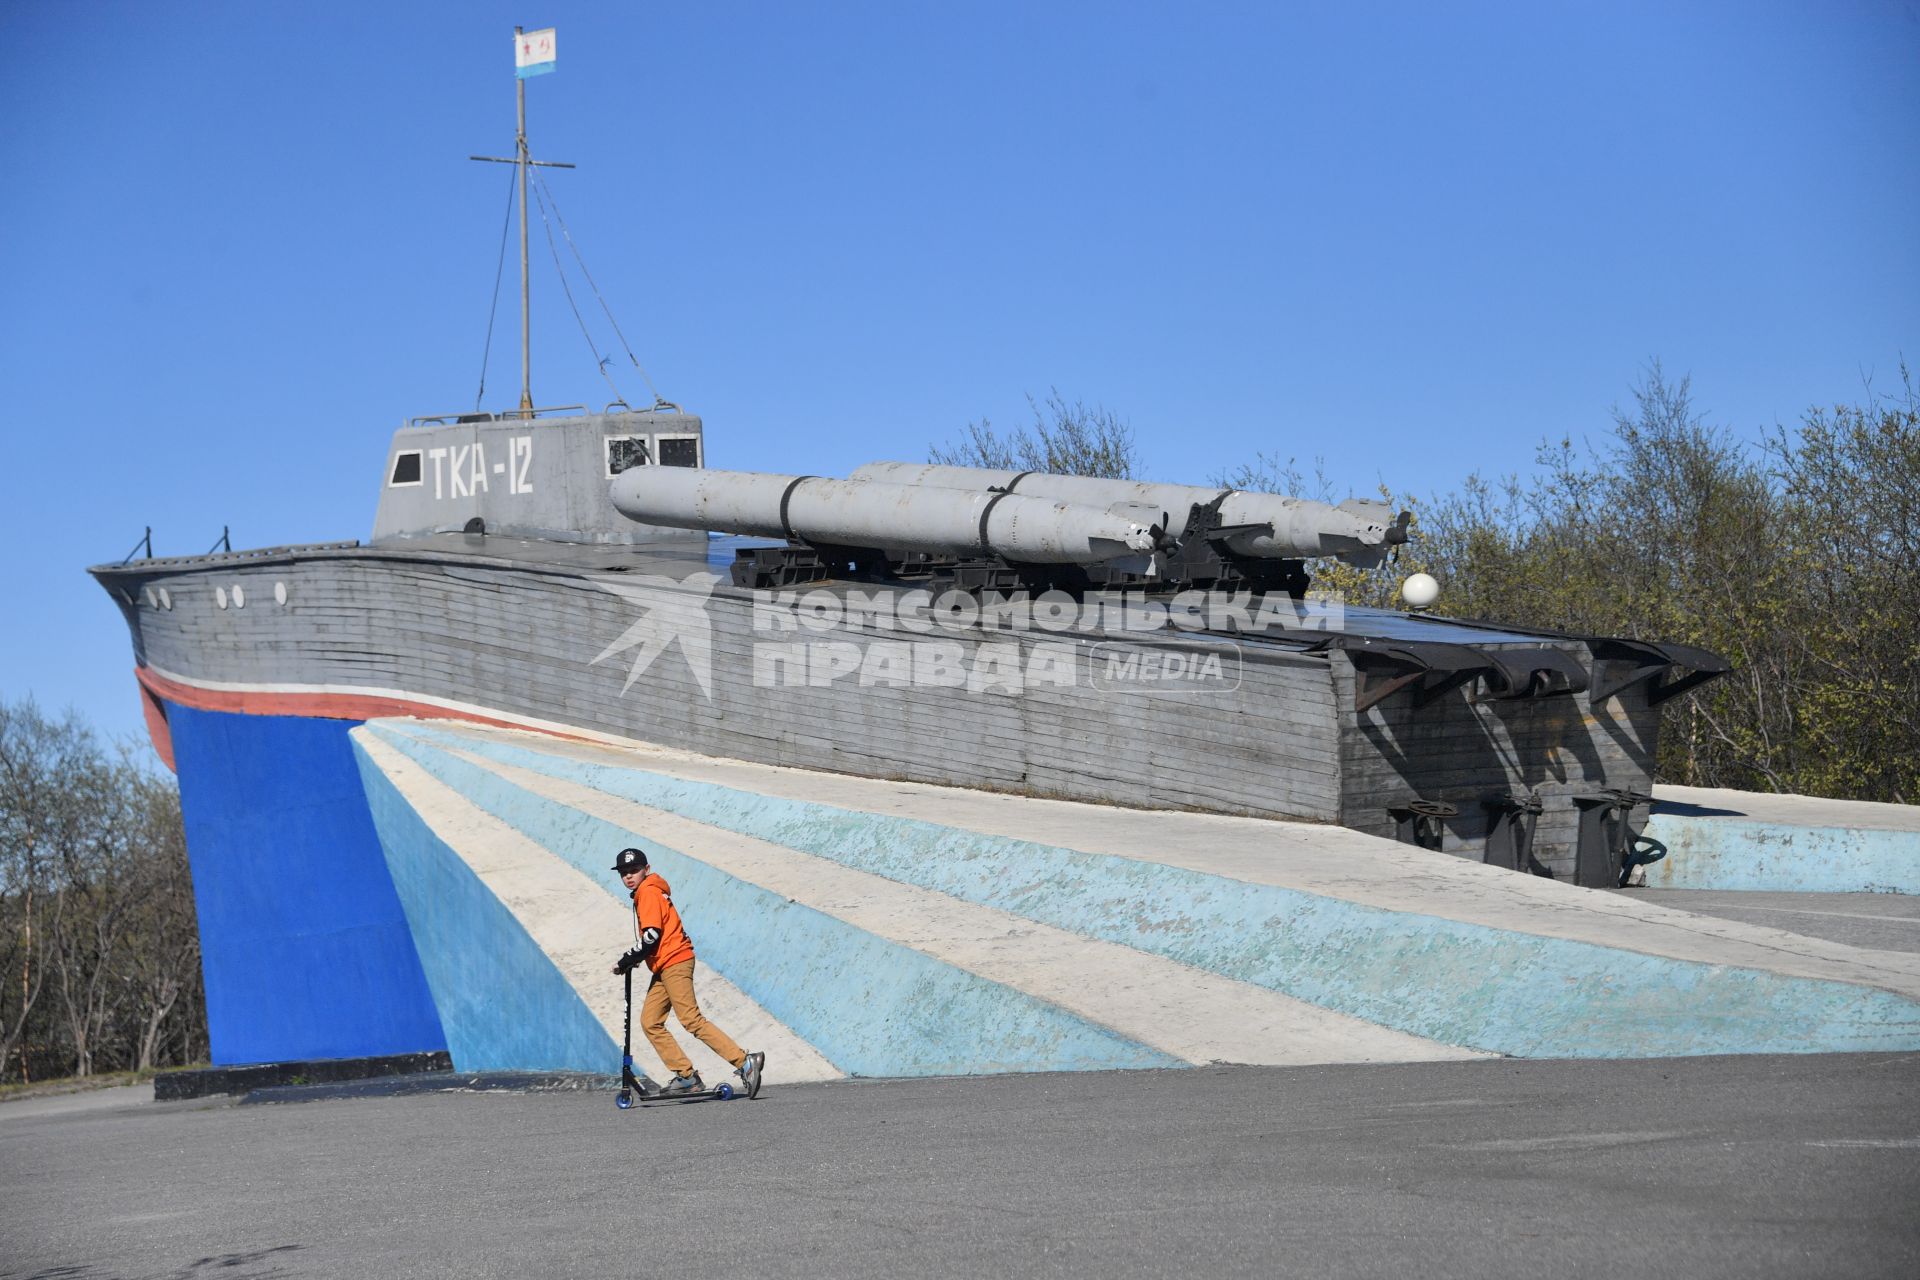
(1419, 590)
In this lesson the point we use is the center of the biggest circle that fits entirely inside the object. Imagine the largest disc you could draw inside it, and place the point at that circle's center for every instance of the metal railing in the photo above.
(511, 415)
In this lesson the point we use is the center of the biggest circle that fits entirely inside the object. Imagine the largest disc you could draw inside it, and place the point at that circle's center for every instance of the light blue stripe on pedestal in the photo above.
(1497, 990)
(503, 1004)
(872, 1006)
(1726, 853)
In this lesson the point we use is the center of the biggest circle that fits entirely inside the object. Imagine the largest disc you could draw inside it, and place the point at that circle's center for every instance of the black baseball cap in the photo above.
(630, 860)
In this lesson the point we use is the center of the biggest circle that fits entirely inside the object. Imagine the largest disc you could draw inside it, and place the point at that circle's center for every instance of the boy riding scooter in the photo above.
(667, 951)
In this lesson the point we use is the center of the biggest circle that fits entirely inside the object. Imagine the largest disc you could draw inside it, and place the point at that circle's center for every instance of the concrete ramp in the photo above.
(1715, 839)
(858, 927)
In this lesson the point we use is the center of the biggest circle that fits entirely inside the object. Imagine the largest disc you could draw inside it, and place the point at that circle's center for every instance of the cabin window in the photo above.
(406, 468)
(679, 451)
(626, 451)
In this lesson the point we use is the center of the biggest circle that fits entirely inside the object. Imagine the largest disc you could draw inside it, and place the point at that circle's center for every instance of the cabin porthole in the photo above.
(239, 597)
(626, 451)
(153, 601)
(279, 593)
(166, 601)
(406, 471)
(220, 594)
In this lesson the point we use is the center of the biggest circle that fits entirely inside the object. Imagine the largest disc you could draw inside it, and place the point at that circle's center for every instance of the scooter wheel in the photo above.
(724, 1092)
(624, 1101)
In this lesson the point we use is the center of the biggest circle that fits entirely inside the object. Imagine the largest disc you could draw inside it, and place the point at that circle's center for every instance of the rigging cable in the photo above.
(493, 311)
(541, 179)
(600, 363)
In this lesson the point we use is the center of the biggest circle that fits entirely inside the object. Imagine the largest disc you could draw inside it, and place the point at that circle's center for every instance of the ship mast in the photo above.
(523, 160)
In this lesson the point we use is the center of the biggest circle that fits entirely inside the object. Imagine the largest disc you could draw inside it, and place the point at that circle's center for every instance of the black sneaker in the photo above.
(688, 1083)
(749, 1072)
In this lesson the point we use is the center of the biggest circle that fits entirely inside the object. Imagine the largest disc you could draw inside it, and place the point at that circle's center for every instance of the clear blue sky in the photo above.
(244, 241)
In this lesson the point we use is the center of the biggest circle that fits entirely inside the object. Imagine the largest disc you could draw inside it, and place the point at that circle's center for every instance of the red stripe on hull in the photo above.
(318, 706)
(159, 732)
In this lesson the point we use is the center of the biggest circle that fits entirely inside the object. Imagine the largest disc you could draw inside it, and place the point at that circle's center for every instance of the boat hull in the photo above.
(603, 644)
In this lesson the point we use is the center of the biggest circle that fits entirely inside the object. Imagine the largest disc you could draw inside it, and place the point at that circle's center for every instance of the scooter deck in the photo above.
(637, 1089)
(720, 1093)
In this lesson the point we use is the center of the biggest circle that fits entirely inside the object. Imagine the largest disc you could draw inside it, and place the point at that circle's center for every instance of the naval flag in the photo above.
(533, 53)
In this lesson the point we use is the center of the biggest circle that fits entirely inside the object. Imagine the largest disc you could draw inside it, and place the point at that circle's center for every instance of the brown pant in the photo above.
(674, 986)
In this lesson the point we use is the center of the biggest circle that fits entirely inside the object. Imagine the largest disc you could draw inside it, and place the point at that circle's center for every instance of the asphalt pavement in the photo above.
(1761, 1166)
(1883, 921)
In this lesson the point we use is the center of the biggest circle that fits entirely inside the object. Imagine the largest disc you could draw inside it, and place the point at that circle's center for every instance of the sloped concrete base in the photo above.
(1718, 839)
(866, 927)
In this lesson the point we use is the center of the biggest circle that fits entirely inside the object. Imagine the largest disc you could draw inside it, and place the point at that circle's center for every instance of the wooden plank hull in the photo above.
(552, 643)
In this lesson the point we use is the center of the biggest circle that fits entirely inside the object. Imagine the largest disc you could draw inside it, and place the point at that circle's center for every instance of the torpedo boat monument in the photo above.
(875, 722)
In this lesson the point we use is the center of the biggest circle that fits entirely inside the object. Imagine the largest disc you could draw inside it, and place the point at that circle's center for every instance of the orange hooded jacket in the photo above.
(653, 909)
